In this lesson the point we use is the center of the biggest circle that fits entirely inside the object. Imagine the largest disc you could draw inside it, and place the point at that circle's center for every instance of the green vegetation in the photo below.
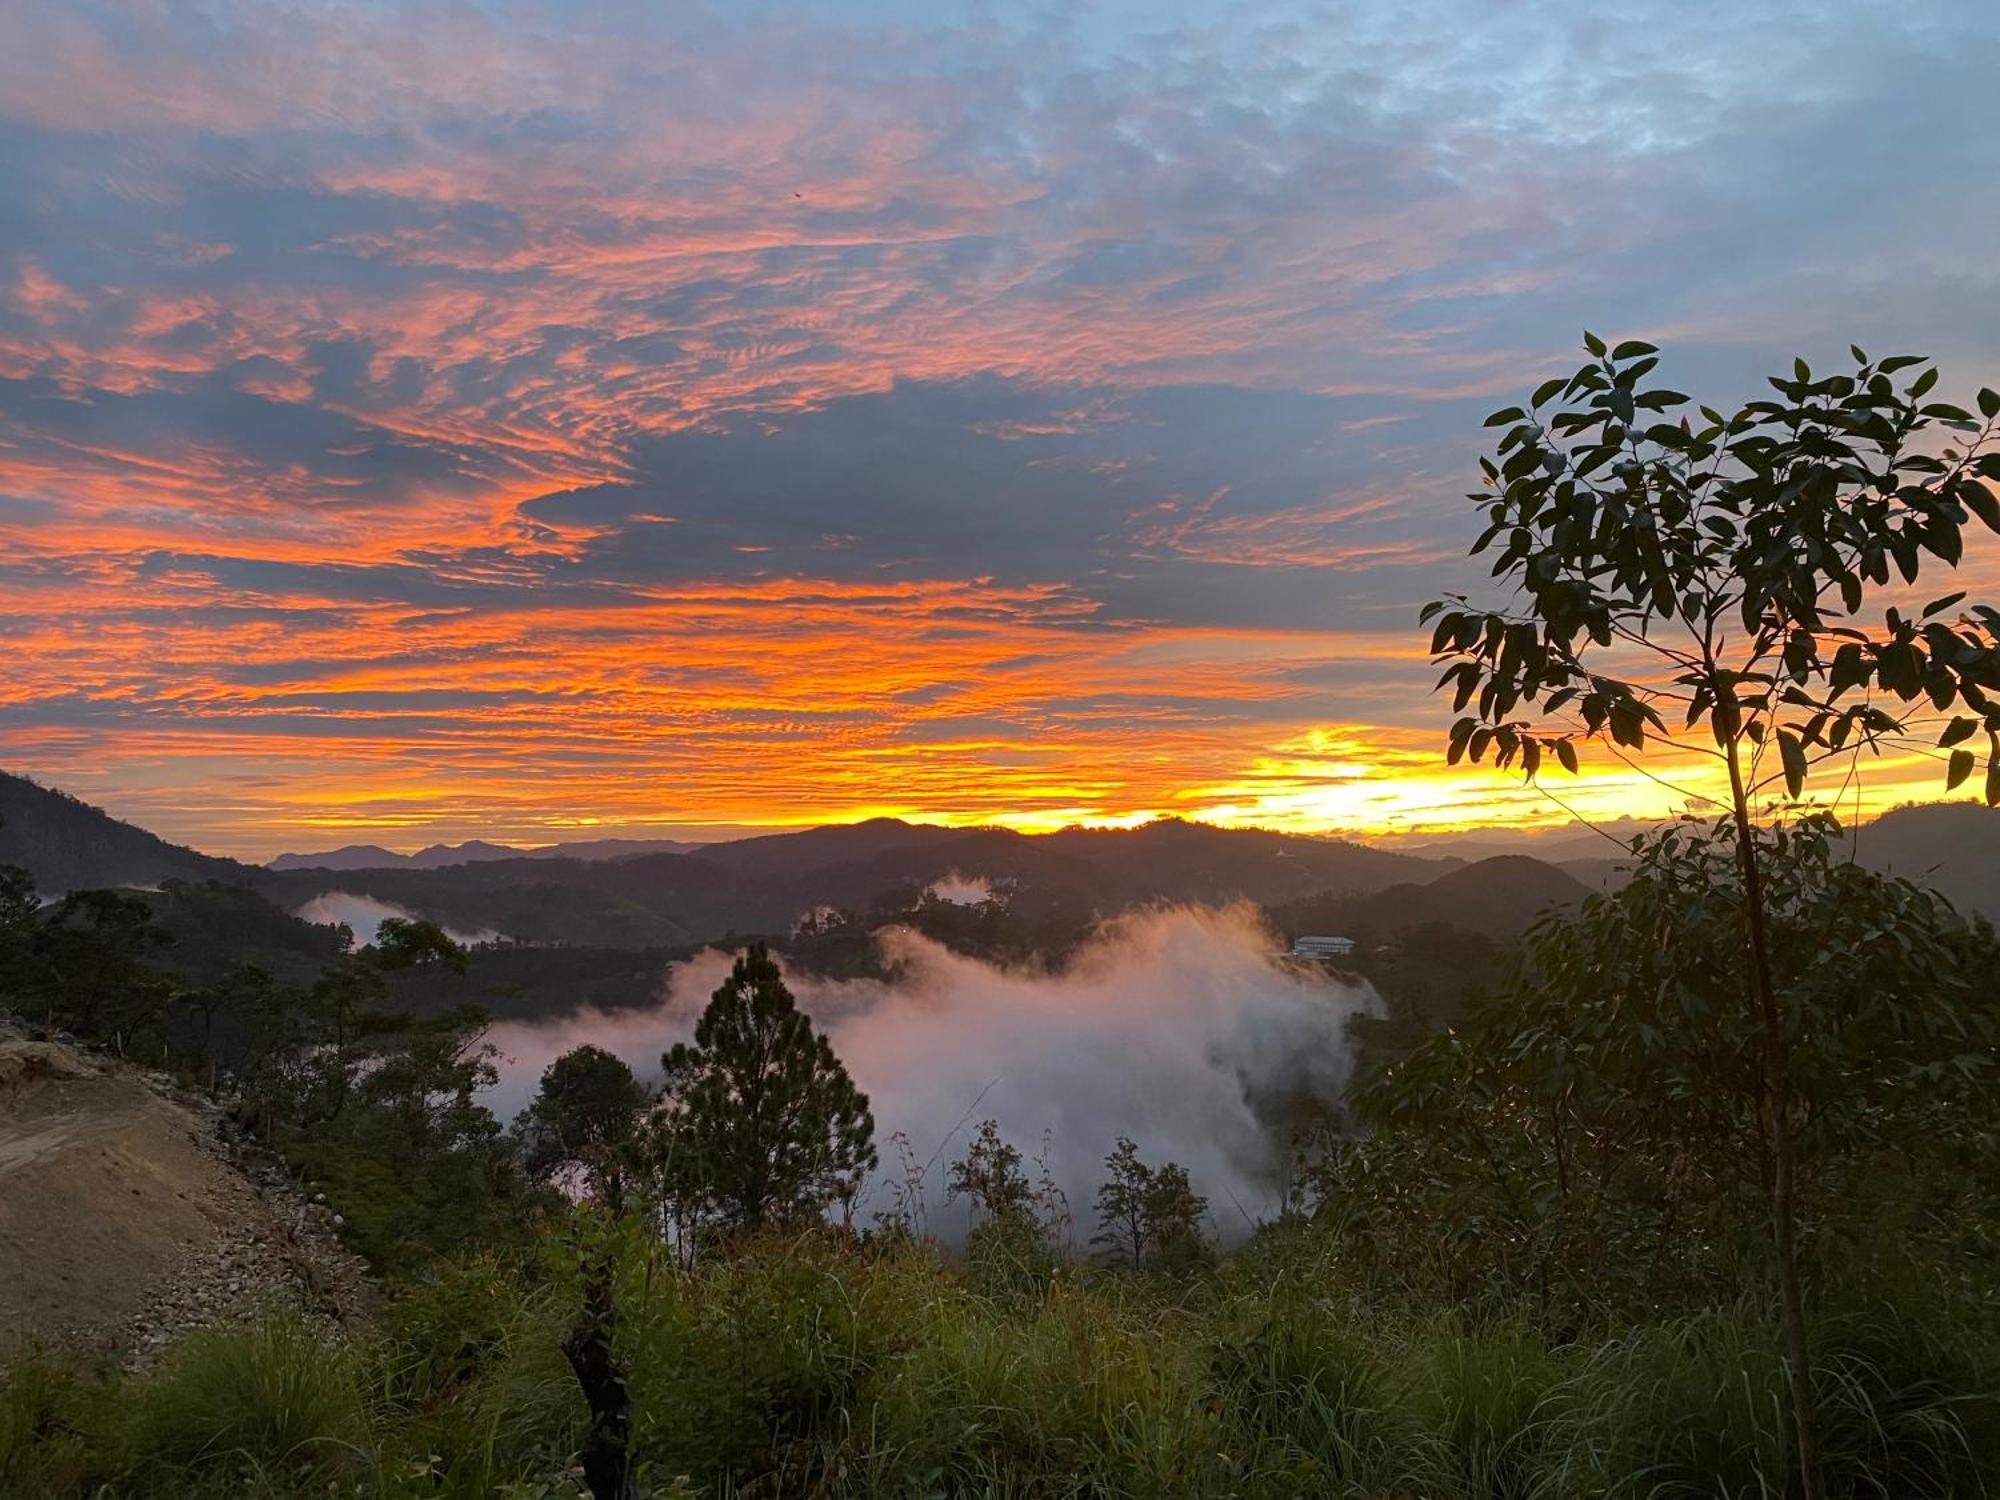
(1720, 573)
(809, 1365)
(758, 1120)
(1698, 1194)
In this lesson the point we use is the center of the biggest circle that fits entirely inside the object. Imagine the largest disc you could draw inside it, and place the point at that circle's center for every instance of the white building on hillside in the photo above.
(1320, 948)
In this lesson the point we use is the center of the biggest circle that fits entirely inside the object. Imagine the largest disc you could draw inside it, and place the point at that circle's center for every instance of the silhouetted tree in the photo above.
(1149, 1215)
(759, 1121)
(1121, 1205)
(414, 943)
(89, 966)
(584, 1120)
(18, 906)
(990, 1176)
(1718, 572)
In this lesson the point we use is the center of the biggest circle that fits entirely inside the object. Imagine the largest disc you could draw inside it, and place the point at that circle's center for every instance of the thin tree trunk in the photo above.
(606, 1455)
(1778, 1128)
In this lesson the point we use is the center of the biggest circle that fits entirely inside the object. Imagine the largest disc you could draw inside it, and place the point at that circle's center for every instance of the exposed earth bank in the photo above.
(132, 1212)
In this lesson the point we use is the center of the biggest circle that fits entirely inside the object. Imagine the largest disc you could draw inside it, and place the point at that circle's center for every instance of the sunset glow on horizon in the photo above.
(423, 422)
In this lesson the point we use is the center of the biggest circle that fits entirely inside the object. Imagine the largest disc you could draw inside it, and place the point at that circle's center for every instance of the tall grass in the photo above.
(808, 1368)
(47, 1421)
(265, 1406)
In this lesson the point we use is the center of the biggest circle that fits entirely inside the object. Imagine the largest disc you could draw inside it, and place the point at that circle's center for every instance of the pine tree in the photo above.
(759, 1120)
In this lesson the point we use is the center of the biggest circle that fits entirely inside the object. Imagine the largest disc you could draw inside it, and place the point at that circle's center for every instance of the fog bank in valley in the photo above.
(1177, 1028)
(364, 916)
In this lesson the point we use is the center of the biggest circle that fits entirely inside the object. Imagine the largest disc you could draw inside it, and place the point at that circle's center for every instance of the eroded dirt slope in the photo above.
(129, 1215)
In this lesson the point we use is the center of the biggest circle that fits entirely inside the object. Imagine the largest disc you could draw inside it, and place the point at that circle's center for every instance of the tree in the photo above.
(1121, 1205)
(1149, 1215)
(18, 907)
(1174, 1216)
(244, 996)
(583, 1121)
(991, 1177)
(759, 1120)
(1593, 1134)
(1718, 573)
(414, 943)
(418, 1164)
(88, 965)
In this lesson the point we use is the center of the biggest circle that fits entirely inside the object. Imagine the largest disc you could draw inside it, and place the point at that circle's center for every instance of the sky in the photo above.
(530, 421)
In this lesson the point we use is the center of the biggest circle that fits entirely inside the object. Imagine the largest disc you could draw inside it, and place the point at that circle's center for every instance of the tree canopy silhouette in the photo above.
(1719, 573)
(759, 1120)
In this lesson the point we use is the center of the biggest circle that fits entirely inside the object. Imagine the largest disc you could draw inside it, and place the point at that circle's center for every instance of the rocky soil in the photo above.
(133, 1212)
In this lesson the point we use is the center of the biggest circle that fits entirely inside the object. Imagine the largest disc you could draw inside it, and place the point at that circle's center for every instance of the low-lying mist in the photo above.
(364, 916)
(1177, 1028)
(961, 890)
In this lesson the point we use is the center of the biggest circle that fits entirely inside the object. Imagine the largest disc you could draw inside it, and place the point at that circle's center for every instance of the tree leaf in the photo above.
(1981, 502)
(1961, 767)
(1794, 756)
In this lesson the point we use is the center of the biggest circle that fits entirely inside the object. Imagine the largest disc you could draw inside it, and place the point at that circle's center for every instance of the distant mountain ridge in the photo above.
(612, 894)
(763, 884)
(473, 851)
(1952, 847)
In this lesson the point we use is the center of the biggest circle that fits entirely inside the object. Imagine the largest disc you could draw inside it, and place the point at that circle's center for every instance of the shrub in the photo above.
(275, 1400)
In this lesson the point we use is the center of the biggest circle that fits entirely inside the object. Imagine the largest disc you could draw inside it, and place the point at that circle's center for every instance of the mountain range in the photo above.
(473, 851)
(632, 894)
(1497, 897)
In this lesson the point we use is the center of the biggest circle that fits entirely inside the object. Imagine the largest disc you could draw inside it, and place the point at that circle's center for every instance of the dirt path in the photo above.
(124, 1220)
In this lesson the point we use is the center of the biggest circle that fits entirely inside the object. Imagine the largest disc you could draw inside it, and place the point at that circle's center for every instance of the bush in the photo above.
(274, 1403)
(472, 1378)
(809, 1365)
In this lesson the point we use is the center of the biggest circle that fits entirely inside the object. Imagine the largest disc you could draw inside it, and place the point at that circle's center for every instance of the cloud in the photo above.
(439, 412)
(1175, 1028)
(364, 916)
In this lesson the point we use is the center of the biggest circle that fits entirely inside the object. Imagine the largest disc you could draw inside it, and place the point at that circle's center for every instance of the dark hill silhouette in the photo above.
(1499, 897)
(1181, 861)
(790, 855)
(68, 845)
(473, 851)
(346, 857)
(761, 885)
(1953, 847)
(655, 900)
(994, 854)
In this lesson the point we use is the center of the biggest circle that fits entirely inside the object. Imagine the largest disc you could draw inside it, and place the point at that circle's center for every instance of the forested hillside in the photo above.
(69, 845)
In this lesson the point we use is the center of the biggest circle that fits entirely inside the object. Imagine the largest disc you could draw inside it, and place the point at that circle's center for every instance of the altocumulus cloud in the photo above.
(610, 371)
